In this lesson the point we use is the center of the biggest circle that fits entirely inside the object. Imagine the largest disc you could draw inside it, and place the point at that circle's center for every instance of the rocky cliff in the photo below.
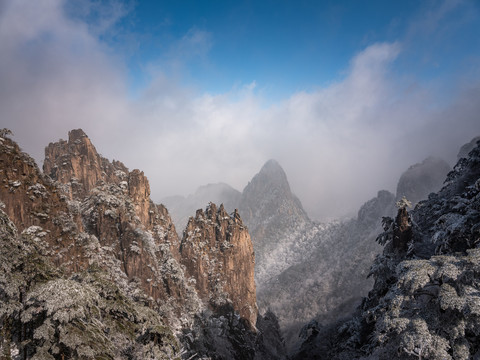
(115, 208)
(35, 205)
(76, 164)
(64, 283)
(92, 214)
(217, 252)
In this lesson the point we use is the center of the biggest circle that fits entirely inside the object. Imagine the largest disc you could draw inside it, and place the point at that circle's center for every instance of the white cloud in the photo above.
(55, 75)
(338, 144)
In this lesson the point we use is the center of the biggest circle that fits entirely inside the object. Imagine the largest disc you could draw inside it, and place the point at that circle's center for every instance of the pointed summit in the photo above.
(270, 210)
(271, 165)
(76, 134)
(77, 164)
(270, 180)
(269, 193)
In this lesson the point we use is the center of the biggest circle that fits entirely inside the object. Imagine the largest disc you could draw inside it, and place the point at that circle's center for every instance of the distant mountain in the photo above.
(268, 196)
(466, 148)
(329, 278)
(276, 220)
(422, 179)
(274, 216)
(290, 250)
(182, 207)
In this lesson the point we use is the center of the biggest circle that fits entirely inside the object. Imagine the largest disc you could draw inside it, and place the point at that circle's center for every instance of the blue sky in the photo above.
(344, 94)
(285, 46)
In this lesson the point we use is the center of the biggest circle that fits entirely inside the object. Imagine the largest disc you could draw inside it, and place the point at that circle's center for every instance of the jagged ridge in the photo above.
(108, 221)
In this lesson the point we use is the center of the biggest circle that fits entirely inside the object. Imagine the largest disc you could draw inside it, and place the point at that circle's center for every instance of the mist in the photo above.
(339, 143)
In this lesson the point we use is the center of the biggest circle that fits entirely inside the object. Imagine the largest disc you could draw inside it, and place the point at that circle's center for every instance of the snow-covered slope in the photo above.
(425, 303)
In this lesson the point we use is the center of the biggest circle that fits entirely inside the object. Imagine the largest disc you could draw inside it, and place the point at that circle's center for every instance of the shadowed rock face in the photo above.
(35, 205)
(105, 200)
(217, 252)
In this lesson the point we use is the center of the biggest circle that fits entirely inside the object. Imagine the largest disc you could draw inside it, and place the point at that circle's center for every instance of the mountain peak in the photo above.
(271, 177)
(76, 134)
(271, 164)
(268, 196)
(272, 167)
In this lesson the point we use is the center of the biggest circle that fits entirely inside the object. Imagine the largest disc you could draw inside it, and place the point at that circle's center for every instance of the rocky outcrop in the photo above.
(422, 179)
(115, 207)
(217, 253)
(36, 206)
(48, 314)
(92, 217)
(139, 191)
(76, 164)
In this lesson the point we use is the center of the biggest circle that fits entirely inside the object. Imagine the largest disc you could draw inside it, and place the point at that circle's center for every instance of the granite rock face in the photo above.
(89, 215)
(77, 164)
(115, 207)
(35, 205)
(217, 252)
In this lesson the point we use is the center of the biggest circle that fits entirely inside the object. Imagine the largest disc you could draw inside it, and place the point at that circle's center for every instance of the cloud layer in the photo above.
(339, 144)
